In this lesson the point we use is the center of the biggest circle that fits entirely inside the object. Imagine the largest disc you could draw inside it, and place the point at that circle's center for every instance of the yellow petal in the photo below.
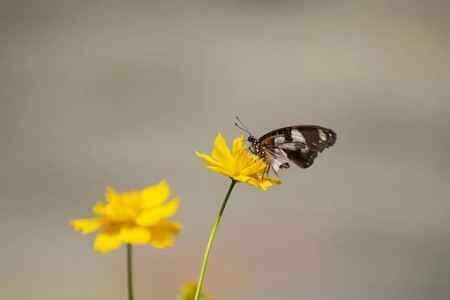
(238, 145)
(131, 199)
(164, 233)
(121, 213)
(221, 152)
(155, 195)
(111, 195)
(86, 226)
(224, 172)
(208, 159)
(263, 184)
(135, 235)
(242, 178)
(99, 209)
(106, 242)
(152, 216)
(253, 162)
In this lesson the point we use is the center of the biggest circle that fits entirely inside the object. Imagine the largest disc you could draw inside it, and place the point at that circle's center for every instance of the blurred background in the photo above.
(121, 93)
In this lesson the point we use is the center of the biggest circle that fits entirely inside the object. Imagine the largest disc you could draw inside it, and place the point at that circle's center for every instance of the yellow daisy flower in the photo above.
(134, 217)
(238, 163)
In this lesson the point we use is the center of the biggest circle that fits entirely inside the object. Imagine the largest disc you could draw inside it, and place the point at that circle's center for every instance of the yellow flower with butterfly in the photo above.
(251, 165)
(238, 163)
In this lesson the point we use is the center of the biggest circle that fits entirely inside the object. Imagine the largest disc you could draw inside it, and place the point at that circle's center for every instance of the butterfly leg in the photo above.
(266, 171)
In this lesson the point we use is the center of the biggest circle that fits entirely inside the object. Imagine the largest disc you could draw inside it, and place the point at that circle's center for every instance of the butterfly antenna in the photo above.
(242, 128)
(239, 124)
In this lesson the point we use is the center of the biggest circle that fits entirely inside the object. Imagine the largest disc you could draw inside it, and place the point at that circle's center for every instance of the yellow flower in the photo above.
(134, 217)
(238, 163)
(188, 290)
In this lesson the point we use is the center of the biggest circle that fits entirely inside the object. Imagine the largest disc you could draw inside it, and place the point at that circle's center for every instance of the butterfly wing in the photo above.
(300, 144)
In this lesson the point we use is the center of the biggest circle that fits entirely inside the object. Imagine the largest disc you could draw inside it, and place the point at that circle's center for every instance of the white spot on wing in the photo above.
(279, 158)
(297, 136)
(322, 135)
(293, 146)
(275, 165)
(279, 140)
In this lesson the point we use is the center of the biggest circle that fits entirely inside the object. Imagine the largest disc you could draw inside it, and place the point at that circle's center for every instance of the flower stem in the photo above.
(130, 271)
(212, 236)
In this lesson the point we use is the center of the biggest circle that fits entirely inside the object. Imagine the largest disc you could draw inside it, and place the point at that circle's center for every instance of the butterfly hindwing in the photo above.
(302, 159)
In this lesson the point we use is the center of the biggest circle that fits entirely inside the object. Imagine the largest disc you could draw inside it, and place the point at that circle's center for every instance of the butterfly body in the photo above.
(299, 144)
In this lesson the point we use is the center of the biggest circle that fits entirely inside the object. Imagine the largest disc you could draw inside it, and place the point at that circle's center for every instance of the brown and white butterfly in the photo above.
(299, 144)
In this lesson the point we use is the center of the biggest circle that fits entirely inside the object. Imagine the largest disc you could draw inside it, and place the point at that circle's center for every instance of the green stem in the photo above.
(130, 271)
(212, 236)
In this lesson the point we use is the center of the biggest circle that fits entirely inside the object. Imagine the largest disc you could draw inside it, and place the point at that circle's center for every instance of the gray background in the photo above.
(121, 93)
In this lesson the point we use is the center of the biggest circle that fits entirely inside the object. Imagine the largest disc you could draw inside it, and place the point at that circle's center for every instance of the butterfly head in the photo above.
(251, 139)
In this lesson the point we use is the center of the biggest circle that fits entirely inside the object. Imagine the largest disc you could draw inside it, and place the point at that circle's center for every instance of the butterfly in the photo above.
(298, 144)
